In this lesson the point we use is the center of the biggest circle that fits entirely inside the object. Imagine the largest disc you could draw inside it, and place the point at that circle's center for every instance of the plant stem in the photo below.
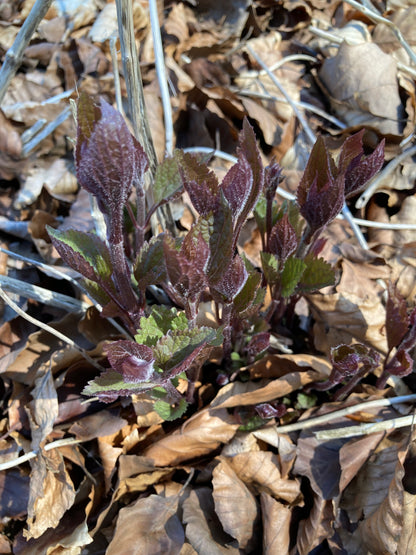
(226, 321)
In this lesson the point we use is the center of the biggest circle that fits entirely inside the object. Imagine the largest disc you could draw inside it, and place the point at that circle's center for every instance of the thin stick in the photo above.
(32, 454)
(329, 417)
(42, 295)
(49, 128)
(161, 76)
(133, 78)
(304, 105)
(365, 429)
(14, 55)
(49, 329)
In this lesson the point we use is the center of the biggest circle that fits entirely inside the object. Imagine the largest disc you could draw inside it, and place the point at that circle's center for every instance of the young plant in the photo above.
(170, 348)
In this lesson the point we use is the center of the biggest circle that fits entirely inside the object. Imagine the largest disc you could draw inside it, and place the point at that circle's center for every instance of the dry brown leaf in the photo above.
(380, 533)
(102, 423)
(362, 84)
(200, 436)
(317, 527)
(348, 318)
(203, 529)
(51, 493)
(252, 393)
(260, 470)
(286, 449)
(276, 522)
(235, 505)
(367, 491)
(10, 142)
(150, 525)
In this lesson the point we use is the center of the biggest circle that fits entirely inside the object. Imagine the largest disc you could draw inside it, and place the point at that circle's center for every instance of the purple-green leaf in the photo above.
(318, 273)
(200, 183)
(397, 319)
(84, 252)
(168, 180)
(150, 268)
(109, 161)
(283, 240)
(133, 361)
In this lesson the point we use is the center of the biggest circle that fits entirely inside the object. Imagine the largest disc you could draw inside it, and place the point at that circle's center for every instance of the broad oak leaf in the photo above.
(109, 161)
(133, 361)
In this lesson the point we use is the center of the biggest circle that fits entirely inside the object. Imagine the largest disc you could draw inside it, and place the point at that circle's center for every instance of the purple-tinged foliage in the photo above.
(270, 410)
(401, 336)
(283, 240)
(357, 168)
(109, 161)
(232, 281)
(397, 319)
(272, 179)
(259, 343)
(350, 363)
(134, 362)
(324, 185)
(84, 252)
(200, 183)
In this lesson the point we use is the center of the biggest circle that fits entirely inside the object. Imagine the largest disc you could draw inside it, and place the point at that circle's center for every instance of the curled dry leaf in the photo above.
(260, 470)
(201, 435)
(276, 522)
(235, 505)
(362, 83)
(317, 527)
(348, 318)
(150, 525)
(380, 532)
(203, 529)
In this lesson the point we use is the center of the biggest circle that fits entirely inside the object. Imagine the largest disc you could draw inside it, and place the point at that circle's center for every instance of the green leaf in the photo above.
(178, 345)
(110, 384)
(270, 265)
(161, 320)
(84, 252)
(305, 401)
(248, 293)
(168, 180)
(260, 214)
(149, 268)
(168, 412)
(317, 274)
(291, 274)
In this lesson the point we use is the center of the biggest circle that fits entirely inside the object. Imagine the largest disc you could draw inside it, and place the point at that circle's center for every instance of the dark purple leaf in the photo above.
(320, 170)
(270, 410)
(200, 183)
(283, 240)
(108, 161)
(133, 361)
(272, 179)
(397, 319)
(401, 364)
(258, 343)
(231, 282)
(409, 340)
(361, 171)
(351, 152)
(322, 205)
(243, 183)
(250, 294)
(220, 242)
